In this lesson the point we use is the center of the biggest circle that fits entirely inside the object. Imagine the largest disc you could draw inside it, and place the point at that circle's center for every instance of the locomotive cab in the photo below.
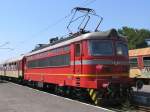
(101, 62)
(109, 58)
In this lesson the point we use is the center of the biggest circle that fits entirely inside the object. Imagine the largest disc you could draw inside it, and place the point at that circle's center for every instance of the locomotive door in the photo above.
(77, 62)
(78, 58)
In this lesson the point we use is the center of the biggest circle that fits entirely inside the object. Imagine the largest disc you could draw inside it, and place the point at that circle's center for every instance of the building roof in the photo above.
(138, 52)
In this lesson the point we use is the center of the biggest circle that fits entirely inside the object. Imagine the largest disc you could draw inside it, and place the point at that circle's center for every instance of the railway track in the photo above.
(132, 108)
(142, 108)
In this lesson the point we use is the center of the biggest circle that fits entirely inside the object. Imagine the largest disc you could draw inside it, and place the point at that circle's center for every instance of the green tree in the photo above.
(136, 37)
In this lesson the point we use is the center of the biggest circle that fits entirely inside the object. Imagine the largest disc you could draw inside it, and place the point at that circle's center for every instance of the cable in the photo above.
(49, 26)
(88, 3)
(7, 48)
(84, 3)
(56, 23)
(4, 44)
(65, 17)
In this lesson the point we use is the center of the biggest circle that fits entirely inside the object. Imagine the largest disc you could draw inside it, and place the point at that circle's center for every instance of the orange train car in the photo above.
(140, 66)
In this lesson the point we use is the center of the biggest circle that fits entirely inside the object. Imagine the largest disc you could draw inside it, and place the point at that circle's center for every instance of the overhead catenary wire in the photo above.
(4, 44)
(49, 26)
(88, 2)
(84, 3)
(7, 48)
(55, 23)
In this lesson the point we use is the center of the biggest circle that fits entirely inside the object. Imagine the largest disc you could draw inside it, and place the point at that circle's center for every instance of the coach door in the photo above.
(78, 58)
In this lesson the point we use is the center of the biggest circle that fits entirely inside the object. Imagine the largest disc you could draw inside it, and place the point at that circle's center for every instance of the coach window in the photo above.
(146, 61)
(133, 62)
(77, 50)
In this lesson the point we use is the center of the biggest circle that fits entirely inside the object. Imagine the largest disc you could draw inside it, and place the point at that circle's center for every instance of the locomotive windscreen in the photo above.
(106, 48)
(101, 47)
(121, 48)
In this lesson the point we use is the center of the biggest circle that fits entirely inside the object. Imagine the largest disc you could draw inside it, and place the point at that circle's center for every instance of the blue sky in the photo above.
(24, 23)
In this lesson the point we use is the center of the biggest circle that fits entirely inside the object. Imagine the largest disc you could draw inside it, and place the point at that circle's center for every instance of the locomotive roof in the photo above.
(92, 35)
(138, 52)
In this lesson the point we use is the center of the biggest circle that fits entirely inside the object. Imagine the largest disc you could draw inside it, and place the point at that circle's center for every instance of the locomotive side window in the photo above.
(57, 50)
(121, 49)
(60, 60)
(100, 48)
(54, 61)
(146, 61)
(32, 64)
(77, 50)
(133, 62)
(43, 62)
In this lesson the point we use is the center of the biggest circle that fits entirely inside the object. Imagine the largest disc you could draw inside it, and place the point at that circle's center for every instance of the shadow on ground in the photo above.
(141, 98)
(3, 81)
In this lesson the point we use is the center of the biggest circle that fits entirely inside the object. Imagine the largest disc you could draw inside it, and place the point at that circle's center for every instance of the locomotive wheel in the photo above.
(61, 90)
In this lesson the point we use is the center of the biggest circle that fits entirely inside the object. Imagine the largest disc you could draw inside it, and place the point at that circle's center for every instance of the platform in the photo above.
(18, 98)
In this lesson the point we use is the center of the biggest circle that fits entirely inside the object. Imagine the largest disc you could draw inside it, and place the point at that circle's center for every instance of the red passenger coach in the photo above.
(97, 62)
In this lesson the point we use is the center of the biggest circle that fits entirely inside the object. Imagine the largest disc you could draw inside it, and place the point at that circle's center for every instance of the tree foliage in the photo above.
(136, 37)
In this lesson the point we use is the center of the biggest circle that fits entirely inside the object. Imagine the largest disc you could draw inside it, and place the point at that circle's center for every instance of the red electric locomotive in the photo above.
(93, 61)
(96, 63)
